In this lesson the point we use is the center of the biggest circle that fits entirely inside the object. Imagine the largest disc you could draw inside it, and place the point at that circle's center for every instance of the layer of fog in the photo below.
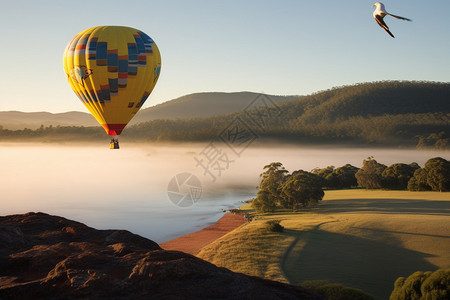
(128, 188)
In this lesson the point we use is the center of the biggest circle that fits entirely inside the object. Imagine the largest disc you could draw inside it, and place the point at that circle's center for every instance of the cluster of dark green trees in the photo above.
(434, 176)
(423, 286)
(279, 189)
(338, 178)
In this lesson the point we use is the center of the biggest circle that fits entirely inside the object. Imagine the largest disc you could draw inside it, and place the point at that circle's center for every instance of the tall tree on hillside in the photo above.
(370, 175)
(301, 189)
(272, 179)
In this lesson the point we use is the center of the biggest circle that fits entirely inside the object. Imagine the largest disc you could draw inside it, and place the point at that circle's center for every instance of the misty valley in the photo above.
(128, 189)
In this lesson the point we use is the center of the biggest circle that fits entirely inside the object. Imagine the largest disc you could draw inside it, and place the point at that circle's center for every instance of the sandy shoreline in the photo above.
(193, 242)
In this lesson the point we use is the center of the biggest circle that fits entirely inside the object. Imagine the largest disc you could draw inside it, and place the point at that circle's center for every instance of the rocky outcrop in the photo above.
(44, 256)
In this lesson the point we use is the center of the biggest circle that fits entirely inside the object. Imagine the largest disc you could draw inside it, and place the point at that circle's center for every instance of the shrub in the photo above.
(274, 226)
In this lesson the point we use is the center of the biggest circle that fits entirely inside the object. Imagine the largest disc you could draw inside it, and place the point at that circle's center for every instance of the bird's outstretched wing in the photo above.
(401, 18)
(383, 25)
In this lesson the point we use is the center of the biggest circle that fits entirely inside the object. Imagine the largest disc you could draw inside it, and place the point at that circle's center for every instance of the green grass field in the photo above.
(363, 239)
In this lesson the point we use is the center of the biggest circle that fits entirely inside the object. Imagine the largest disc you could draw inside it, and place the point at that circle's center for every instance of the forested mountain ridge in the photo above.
(377, 99)
(201, 105)
(388, 113)
(385, 113)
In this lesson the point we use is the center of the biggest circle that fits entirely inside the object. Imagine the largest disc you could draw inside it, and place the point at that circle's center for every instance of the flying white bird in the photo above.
(380, 12)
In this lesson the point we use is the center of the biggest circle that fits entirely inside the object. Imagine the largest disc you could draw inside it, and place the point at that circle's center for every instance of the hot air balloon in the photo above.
(113, 70)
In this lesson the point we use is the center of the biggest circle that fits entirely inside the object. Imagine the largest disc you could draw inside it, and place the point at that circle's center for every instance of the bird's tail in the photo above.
(401, 18)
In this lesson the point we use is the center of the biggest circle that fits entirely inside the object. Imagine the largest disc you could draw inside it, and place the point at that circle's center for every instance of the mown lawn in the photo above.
(363, 239)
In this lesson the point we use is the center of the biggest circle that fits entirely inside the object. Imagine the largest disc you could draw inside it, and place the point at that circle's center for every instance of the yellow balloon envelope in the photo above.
(112, 69)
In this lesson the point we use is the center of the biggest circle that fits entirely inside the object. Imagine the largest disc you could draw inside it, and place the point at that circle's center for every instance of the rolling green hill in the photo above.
(16, 120)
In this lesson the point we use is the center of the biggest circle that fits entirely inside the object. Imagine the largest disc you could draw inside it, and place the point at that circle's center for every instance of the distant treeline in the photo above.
(280, 189)
(54, 133)
(434, 176)
(390, 113)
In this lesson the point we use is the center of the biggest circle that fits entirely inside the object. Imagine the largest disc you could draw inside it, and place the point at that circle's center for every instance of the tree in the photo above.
(370, 175)
(272, 179)
(345, 176)
(273, 168)
(438, 174)
(397, 176)
(337, 178)
(268, 196)
(419, 181)
(423, 286)
(435, 175)
(263, 202)
(328, 176)
(324, 173)
(436, 286)
(409, 288)
(301, 189)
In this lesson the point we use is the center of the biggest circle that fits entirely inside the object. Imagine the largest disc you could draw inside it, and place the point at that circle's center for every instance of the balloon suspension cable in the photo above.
(114, 144)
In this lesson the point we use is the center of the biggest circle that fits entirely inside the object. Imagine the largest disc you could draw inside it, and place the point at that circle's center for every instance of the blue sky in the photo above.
(283, 47)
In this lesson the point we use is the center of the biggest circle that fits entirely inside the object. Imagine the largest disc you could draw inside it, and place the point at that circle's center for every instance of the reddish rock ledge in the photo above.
(49, 257)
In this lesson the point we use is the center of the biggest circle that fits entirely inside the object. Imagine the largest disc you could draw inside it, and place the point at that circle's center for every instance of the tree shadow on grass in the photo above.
(366, 264)
(386, 206)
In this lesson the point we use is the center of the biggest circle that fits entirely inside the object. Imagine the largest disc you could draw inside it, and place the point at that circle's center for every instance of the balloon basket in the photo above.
(114, 144)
